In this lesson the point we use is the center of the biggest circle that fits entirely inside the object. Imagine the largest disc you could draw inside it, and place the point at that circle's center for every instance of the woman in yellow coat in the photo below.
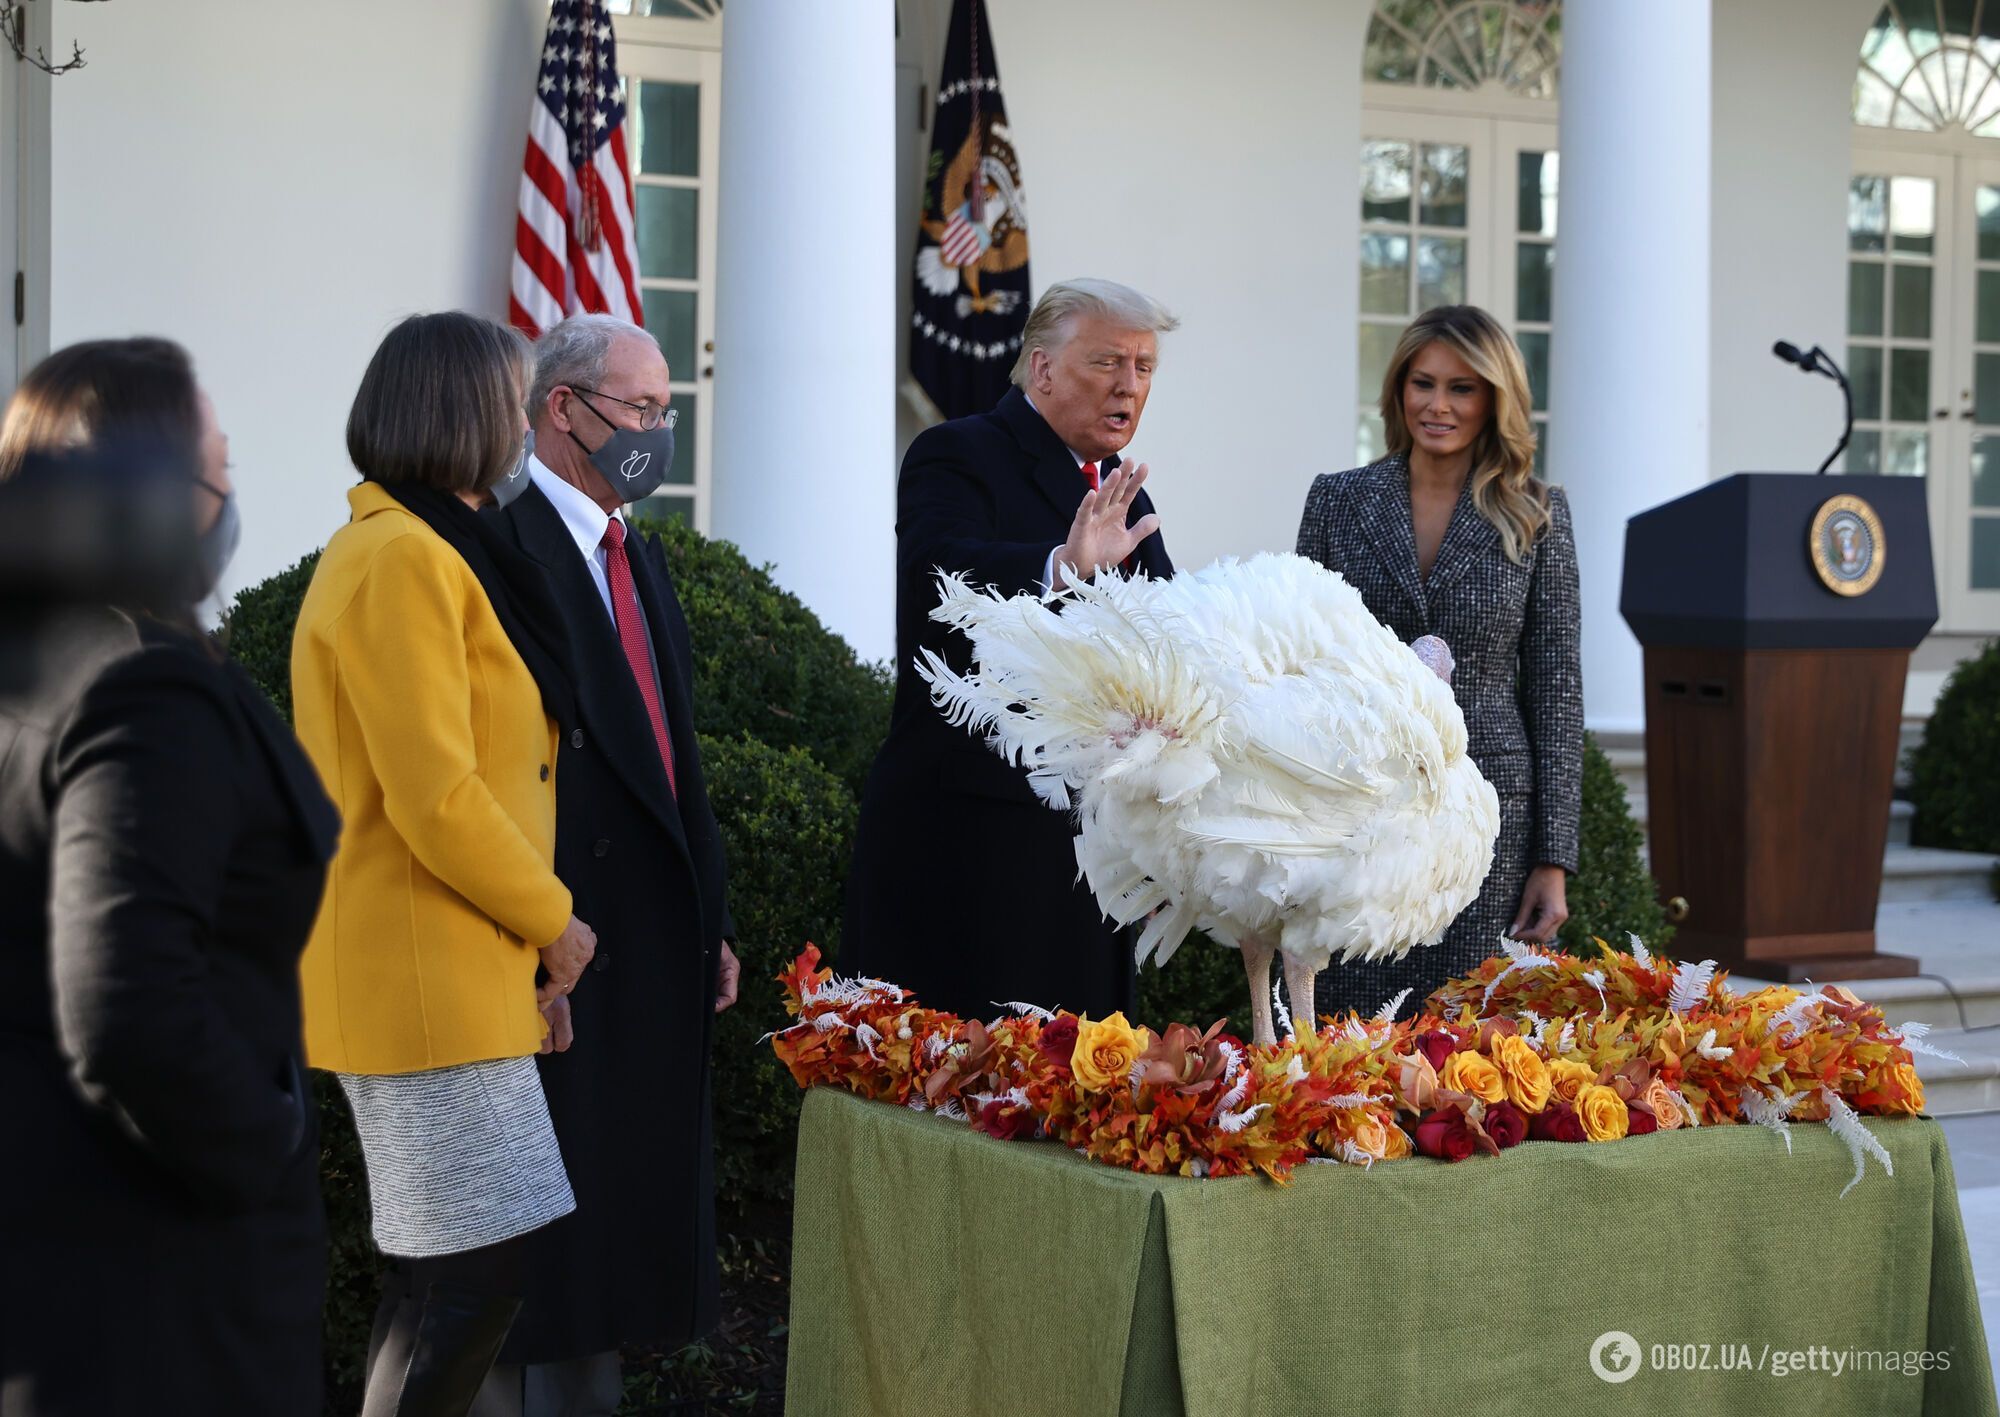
(431, 688)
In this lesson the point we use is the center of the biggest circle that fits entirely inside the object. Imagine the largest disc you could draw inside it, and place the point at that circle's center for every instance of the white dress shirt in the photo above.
(586, 522)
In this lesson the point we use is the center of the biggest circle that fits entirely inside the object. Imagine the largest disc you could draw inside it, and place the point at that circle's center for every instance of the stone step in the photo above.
(1971, 1085)
(1924, 873)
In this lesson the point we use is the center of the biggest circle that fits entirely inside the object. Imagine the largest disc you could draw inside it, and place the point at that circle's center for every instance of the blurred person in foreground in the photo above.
(163, 844)
(431, 687)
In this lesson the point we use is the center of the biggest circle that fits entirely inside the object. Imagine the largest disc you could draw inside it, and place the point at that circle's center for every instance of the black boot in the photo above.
(435, 1354)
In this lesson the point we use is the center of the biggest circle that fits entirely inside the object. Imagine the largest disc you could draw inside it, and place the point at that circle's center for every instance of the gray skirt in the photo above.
(458, 1157)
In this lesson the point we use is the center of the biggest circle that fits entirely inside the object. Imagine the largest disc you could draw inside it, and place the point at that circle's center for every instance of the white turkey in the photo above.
(1248, 752)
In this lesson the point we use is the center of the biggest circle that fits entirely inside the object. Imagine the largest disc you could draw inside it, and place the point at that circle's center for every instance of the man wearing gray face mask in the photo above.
(637, 843)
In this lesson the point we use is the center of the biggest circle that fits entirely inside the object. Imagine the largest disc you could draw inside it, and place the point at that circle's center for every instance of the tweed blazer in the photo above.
(1513, 630)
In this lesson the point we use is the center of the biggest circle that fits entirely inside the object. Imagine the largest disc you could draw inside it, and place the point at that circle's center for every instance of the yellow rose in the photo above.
(1568, 1077)
(1473, 1073)
(1371, 1135)
(1910, 1090)
(1522, 1072)
(1105, 1051)
(1398, 1144)
(1660, 1102)
(1602, 1112)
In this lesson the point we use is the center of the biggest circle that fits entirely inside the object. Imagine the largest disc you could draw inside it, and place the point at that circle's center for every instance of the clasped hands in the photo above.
(563, 961)
(1098, 536)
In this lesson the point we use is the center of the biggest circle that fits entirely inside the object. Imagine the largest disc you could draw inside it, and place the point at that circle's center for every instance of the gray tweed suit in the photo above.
(1513, 630)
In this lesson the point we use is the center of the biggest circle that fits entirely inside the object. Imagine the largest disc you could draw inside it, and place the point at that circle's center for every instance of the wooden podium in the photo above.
(1777, 612)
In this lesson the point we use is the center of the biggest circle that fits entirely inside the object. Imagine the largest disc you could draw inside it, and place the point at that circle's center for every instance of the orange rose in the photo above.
(1908, 1089)
(1602, 1112)
(1658, 1100)
(1417, 1081)
(1473, 1073)
(1522, 1072)
(1105, 1052)
(1568, 1077)
(1372, 1136)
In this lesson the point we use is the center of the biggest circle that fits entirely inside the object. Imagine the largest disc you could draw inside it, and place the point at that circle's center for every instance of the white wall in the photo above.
(1783, 135)
(274, 185)
(1207, 156)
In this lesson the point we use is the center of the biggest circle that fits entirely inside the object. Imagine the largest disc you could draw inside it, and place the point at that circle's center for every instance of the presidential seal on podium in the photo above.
(1846, 545)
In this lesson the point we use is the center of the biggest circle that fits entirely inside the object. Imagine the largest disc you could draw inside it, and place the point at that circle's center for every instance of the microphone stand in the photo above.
(1823, 363)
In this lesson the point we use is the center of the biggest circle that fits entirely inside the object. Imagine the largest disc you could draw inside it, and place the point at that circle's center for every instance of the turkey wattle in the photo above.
(1248, 752)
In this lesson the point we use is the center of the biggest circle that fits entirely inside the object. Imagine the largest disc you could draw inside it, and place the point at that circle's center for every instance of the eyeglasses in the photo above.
(651, 415)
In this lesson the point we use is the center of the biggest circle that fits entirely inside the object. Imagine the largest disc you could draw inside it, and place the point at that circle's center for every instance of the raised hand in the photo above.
(1099, 537)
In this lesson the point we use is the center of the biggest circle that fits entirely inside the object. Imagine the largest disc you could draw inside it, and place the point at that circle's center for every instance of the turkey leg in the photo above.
(1257, 965)
(1299, 995)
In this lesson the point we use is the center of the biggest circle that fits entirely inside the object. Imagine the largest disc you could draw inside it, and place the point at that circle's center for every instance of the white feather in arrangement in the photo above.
(1248, 752)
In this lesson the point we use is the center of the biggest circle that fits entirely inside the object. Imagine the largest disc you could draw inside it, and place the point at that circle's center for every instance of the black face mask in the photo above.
(633, 460)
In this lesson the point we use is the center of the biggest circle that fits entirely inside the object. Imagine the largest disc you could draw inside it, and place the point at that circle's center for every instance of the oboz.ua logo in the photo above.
(1616, 1357)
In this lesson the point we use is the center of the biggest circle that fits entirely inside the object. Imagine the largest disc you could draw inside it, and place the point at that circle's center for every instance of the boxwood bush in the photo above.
(1955, 770)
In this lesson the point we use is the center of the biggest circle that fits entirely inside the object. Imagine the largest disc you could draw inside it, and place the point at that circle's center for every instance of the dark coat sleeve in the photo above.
(146, 807)
(1551, 690)
(946, 519)
(1316, 523)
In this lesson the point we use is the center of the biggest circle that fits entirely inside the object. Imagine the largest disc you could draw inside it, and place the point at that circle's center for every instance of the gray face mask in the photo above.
(634, 461)
(215, 547)
(515, 482)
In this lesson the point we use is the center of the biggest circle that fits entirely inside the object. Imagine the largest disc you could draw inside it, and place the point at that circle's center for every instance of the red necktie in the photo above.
(632, 637)
(1089, 471)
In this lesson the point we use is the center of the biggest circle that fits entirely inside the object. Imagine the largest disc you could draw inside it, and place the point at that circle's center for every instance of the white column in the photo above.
(805, 314)
(1629, 370)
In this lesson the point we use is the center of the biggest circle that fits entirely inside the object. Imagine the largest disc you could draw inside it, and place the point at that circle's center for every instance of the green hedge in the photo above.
(1610, 896)
(1955, 770)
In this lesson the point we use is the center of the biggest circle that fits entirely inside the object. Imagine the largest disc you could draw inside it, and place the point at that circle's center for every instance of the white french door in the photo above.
(1454, 209)
(1923, 355)
(673, 104)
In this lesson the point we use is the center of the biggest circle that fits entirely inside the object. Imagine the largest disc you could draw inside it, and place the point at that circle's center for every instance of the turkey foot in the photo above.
(1257, 965)
(1299, 995)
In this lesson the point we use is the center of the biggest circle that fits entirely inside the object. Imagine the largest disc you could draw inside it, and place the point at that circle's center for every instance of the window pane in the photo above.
(667, 232)
(669, 128)
(1867, 213)
(1864, 372)
(1989, 307)
(670, 320)
(1535, 354)
(1905, 451)
(1389, 59)
(1912, 213)
(1988, 202)
(1541, 447)
(1986, 389)
(1985, 553)
(1537, 194)
(1986, 471)
(1864, 452)
(1909, 385)
(1440, 271)
(1378, 342)
(661, 508)
(1385, 182)
(1369, 444)
(1534, 280)
(1385, 274)
(1912, 302)
(681, 474)
(1444, 185)
(1864, 297)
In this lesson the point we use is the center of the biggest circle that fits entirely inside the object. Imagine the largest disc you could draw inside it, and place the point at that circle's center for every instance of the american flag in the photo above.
(575, 248)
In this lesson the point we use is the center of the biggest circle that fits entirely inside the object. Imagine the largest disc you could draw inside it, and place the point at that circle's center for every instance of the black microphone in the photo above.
(1818, 361)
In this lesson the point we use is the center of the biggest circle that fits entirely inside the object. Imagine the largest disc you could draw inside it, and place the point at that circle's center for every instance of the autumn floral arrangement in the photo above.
(1532, 1045)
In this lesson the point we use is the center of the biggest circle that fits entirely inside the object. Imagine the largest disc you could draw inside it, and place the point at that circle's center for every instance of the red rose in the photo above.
(1436, 1045)
(1506, 1124)
(1058, 1041)
(1006, 1120)
(1639, 1123)
(1444, 1134)
(1558, 1123)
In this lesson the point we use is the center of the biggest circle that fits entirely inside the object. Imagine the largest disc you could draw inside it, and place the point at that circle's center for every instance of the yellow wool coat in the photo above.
(429, 735)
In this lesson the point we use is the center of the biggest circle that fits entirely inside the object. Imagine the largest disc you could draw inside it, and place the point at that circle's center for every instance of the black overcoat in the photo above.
(163, 846)
(635, 1262)
(964, 885)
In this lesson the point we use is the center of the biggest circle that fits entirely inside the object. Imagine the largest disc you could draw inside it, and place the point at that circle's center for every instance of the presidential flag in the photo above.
(575, 247)
(971, 292)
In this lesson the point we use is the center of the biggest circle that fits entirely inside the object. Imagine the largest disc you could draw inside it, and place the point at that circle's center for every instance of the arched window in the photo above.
(1466, 44)
(1929, 66)
(1458, 179)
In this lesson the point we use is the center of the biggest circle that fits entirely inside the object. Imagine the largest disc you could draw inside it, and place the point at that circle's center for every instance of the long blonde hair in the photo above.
(1504, 486)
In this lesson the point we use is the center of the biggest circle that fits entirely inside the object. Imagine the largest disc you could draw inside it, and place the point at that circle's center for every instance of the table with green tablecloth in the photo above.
(938, 1270)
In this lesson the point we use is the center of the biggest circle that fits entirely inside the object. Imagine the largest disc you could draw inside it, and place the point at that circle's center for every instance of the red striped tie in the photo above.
(1089, 471)
(632, 637)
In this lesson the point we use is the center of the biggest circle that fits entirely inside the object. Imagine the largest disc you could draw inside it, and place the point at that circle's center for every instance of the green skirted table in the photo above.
(937, 1270)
